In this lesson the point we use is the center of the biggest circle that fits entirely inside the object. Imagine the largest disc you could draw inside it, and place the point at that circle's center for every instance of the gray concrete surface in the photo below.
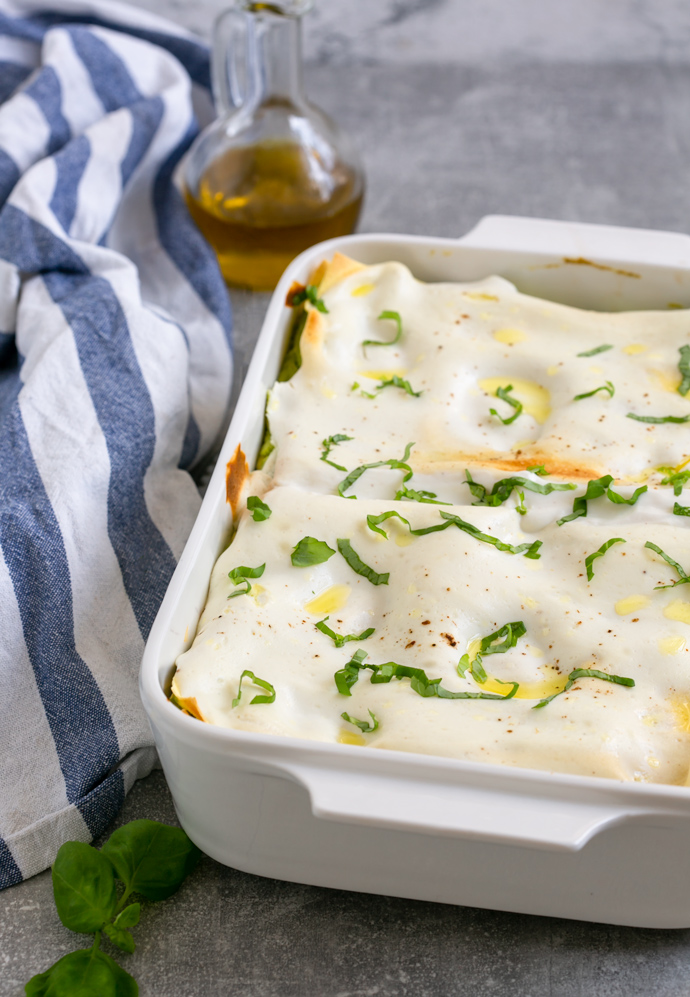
(576, 109)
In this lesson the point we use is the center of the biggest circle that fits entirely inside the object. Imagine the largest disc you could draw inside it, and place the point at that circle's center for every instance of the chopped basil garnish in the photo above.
(589, 561)
(262, 685)
(309, 293)
(538, 469)
(595, 489)
(395, 382)
(242, 574)
(529, 550)
(328, 444)
(683, 578)
(396, 465)
(502, 393)
(608, 387)
(681, 510)
(675, 478)
(511, 632)
(684, 368)
(339, 639)
(585, 673)
(658, 419)
(364, 725)
(420, 683)
(502, 490)
(358, 565)
(597, 349)
(394, 317)
(259, 510)
(520, 504)
(411, 495)
(310, 551)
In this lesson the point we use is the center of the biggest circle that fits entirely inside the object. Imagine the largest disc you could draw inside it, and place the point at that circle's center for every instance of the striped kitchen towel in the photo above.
(115, 371)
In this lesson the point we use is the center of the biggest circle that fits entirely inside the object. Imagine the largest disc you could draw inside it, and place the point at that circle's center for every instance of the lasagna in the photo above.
(466, 536)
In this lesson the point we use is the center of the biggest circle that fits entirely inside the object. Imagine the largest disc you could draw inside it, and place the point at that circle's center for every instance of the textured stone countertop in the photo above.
(575, 109)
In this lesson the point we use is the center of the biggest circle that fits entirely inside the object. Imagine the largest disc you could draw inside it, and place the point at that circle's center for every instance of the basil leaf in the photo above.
(151, 858)
(310, 551)
(681, 510)
(292, 361)
(675, 478)
(85, 973)
(411, 495)
(530, 550)
(502, 393)
(395, 382)
(423, 685)
(512, 633)
(339, 639)
(538, 469)
(607, 386)
(502, 490)
(84, 887)
(328, 444)
(595, 489)
(597, 349)
(129, 917)
(262, 683)
(585, 673)
(120, 937)
(373, 522)
(619, 500)
(259, 510)
(394, 317)
(309, 293)
(346, 677)
(364, 725)
(683, 578)
(520, 504)
(396, 465)
(657, 419)
(589, 561)
(357, 565)
(684, 368)
(241, 574)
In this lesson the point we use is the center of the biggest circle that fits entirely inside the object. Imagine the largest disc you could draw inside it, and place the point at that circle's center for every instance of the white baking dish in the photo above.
(407, 825)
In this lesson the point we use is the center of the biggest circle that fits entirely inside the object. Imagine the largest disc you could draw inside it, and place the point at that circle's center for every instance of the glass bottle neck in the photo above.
(274, 60)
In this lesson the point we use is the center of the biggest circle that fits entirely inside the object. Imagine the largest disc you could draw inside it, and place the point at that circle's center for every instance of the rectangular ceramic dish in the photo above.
(408, 825)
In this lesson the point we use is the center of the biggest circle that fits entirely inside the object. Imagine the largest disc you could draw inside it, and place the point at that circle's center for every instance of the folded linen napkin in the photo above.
(115, 370)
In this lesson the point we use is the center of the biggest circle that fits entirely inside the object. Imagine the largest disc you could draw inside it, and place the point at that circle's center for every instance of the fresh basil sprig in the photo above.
(310, 551)
(597, 349)
(684, 368)
(595, 489)
(149, 859)
(242, 574)
(364, 725)
(328, 444)
(502, 490)
(259, 510)
(607, 386)
(502, 393)
(262, 683)
(683, 577)
(358, 565)
(340, 639)
(393, 317)
(585, 673)
(658, 419)
(591, 558)
(394, 463)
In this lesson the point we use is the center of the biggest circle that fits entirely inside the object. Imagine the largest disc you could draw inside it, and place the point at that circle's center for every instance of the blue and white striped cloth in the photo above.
(115, 372)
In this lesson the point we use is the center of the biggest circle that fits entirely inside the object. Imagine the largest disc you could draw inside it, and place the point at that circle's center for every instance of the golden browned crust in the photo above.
(450, 461)
(236, 473)
(330, 272)
(190, 706)
(313, 329)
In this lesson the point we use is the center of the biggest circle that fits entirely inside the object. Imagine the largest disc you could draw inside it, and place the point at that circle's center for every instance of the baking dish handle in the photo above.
(578, 240)
(465, 811)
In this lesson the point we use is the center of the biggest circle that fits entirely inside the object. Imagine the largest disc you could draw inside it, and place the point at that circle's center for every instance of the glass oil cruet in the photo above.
(273, 174)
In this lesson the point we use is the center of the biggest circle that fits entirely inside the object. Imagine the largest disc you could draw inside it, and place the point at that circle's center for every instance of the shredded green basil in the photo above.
(511, 632)
(607, 386)
(502, 490)
(395, 382)
(405, 494)
(530, 550)
(683, 578)
(681, 510)
(364, 725)
(538, 469)
(241, 574)
(585, 673)
(684, 368)
(328, 444)
(520, 506)
(597, 349)
(262, 685)
(358, 565)
(675, 478)
(396, 465)
(259, 510)
(393, 317)
(595, 489)
(339, 639)
(310, 551)
(502, 393)
(591, 558)
(420, 683)
(309, 293)
(658, 419)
